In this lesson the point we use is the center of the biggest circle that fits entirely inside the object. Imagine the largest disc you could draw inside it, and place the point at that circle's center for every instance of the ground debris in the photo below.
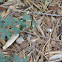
(44, 44)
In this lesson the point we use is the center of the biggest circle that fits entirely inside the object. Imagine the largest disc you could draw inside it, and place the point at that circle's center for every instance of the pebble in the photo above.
(20, 40)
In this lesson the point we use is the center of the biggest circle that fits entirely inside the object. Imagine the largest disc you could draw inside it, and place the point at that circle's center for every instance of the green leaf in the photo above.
(4, 33)
(19, 22)
(26, 17)
(27, 12)
(1, 56)
(0, 17)
(27, 26)
(34, 28)
(25, 59)
(9, 21)
(22, 27)
(34, 23)
(1, 0)
(17, 59)
(4, 59)
(29, 30)
(16, 30)
(1, 24)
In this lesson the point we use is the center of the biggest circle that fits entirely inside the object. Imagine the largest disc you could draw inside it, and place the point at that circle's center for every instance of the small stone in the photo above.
(20, 40)
(49, 30)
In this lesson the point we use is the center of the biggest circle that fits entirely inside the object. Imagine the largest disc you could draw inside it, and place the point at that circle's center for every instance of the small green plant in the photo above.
(14, 58)
(4, 33)
(9, 21)
(46, 4)
(17, 59)
(34, 24)
(4, 59)
(1, 0)
(9, 26)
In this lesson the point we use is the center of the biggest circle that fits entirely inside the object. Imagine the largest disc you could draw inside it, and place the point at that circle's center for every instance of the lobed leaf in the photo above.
(4, 33)
(26, 17)
(2, 59)
(16, 30)
(9, 21)
(16, 59)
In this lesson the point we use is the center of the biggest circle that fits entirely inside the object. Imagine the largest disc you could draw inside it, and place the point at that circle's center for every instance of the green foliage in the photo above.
(4, 33)
(20, 22)
(0, 17)
(1, 0)
(26, 17)
(17, 59)
(9, 25)
(14, 59)
(24, 59)
(16, 30)
(4, 59)
(34, 24)
(9, 21)
(1, 24)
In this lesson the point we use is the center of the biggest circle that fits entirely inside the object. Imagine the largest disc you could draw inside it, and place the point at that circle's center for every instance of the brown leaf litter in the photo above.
(44, 44)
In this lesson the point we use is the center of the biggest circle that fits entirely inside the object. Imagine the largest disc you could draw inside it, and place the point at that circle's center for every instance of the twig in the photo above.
(37, 13)
(41, 53)
(43, 36)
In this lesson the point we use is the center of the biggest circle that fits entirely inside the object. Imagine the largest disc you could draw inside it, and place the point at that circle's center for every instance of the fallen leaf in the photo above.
(52, 7)
(10, 41)
(56, 56)
(2, 8)
(24, 44)
(3, 42)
